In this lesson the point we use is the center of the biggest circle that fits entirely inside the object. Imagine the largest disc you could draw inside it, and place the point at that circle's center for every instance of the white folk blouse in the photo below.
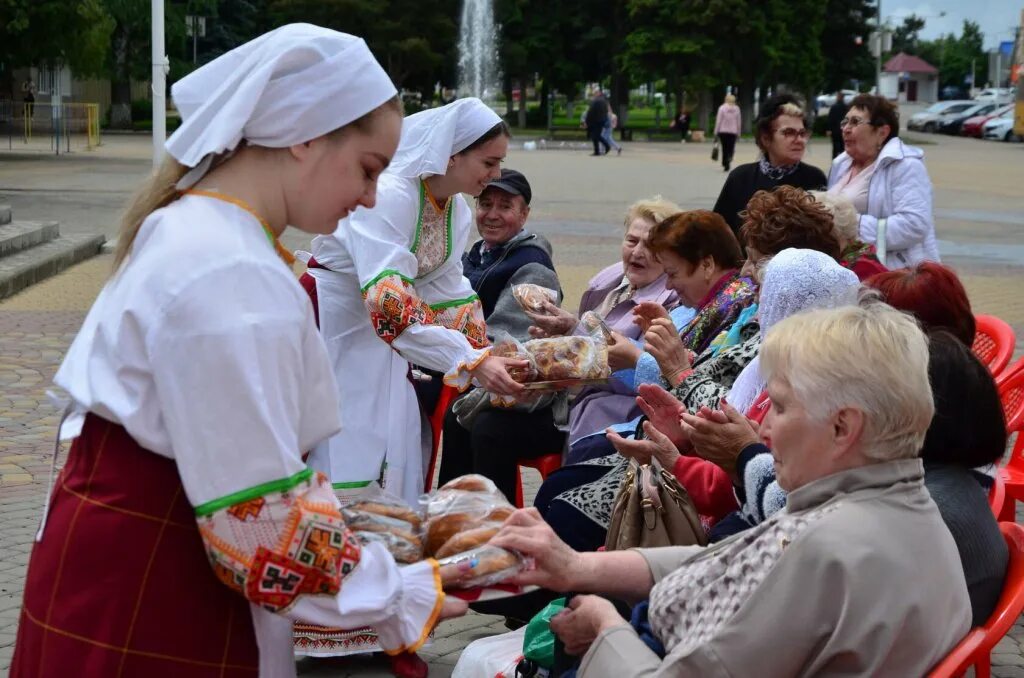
(392, 293)
(203, 347)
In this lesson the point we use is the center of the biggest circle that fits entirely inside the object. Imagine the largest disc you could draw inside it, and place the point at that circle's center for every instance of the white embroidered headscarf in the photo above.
(288, 86)
(795, 280)
(431, 137)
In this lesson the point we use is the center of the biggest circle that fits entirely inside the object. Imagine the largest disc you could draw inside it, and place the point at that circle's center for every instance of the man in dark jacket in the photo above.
(479, 438)
(595, 119)
(507, 254)
(836, 113)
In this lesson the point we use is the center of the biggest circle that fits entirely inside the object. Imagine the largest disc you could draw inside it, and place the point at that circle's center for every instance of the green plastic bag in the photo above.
(539, 642)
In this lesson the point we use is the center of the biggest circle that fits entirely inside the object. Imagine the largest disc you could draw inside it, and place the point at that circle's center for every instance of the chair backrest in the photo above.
(976, 647)
(997, 494)
(994, 342)
(1011, 394)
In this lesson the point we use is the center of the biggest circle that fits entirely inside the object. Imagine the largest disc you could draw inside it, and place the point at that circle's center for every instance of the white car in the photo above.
(928, 119)
(829, 100)
(1000, 128)
(996, 95)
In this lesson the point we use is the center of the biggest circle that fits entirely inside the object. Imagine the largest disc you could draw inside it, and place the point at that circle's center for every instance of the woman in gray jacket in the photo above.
(887, 183)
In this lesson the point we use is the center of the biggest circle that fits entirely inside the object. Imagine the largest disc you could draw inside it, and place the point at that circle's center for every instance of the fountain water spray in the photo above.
(478, 50)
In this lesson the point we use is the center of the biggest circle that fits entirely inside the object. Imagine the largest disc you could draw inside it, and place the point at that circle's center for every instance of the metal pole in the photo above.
(159, 83)
(878, 57)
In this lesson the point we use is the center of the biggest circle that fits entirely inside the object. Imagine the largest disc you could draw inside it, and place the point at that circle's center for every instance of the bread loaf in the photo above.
(468, 540)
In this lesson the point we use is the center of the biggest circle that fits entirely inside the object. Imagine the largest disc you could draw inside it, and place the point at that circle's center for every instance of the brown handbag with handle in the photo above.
(653, 509)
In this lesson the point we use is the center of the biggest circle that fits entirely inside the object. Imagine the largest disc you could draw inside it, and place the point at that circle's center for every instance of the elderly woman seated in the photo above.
(832, 585)
(795, 281)
(933, 293)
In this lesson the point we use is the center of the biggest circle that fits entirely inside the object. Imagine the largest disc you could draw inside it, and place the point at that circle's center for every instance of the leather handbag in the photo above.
(653, 509)
(714, 150)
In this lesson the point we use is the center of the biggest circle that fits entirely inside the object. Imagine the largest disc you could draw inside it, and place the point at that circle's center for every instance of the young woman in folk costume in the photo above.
(391, 292)
(185, 533)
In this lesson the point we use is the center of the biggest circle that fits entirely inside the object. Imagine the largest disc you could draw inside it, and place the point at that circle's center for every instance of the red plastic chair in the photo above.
(448, 394)
(997, 495)
(975, 649)
(547, 464)
(1011, 393)
(994, 342)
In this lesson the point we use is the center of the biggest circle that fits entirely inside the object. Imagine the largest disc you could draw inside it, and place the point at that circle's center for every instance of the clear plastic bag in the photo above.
(404, 551)
(489, 565)
(595, 326)
(506, 346)
(463, 514)
(571, 357)
(531, 297)
(387, 520)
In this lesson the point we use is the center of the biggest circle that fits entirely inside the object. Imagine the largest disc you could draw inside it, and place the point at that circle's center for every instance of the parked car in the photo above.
(928, 119)
(951, 92)
(1000, 128)
(829, 100)
(972, 127)
(950, 122)
(996, 95)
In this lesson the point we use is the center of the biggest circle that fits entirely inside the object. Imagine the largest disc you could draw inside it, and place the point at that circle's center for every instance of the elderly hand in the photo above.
(656, 445)
(552, 322)
(646, 312)
(664, 410)
(492, 373)
(662, 341)
(554, 562)
(586, 617)
(720, 436)
(622, 353)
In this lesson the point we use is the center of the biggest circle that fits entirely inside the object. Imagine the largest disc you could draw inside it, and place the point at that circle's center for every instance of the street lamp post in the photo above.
(159, 59)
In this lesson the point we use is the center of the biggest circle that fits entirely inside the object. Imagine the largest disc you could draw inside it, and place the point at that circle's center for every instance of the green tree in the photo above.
(844, 43)
(905, 38)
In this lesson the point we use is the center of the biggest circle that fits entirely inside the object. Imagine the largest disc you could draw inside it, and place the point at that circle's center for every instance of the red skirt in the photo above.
(120, 584)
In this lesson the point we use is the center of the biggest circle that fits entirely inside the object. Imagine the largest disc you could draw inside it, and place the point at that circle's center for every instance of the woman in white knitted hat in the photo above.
(185, 533)
(390, 292)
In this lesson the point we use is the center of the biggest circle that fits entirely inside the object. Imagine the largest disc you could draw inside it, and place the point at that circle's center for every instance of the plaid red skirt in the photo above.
(120, 584)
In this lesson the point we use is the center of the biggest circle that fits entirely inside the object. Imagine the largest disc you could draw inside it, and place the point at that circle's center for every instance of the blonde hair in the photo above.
(654, 210)
(730, 98)
(791, 109)
(872, 358)
(160, 189)
(844, 215)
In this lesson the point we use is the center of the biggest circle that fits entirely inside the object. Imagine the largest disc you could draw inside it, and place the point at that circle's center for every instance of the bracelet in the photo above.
(680, 376)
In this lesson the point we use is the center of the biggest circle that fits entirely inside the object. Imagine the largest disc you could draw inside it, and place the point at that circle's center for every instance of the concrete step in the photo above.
(21, 235)
(5, 214)
(30, 266)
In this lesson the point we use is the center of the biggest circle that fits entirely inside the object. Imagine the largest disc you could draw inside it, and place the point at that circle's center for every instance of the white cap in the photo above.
(288, 86)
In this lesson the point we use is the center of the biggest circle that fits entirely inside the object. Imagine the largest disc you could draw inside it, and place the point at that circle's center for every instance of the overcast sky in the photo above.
(996, 17)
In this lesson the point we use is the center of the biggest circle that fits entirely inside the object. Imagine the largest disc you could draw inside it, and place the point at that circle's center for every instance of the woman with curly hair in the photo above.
(782, 218)
(781, 132)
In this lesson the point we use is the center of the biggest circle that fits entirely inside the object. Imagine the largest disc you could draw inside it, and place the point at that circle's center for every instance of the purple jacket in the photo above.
(597, 408)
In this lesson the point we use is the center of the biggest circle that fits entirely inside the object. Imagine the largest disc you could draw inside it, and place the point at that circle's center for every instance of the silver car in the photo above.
(928, 119)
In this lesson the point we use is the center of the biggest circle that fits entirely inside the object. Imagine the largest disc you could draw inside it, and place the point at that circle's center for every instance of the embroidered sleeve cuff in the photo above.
(278, 541)
(465, 316)
(462, 375)
(418, 610)
(393, 305)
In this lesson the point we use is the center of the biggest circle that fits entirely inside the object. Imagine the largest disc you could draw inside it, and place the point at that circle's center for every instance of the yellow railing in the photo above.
(68, 119)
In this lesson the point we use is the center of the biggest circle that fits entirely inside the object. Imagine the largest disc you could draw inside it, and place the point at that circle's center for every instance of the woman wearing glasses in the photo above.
(887, 183)
(781, 133)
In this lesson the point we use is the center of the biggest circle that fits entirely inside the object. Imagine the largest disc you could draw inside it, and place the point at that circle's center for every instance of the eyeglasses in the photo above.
(792, 133)
(853, 122)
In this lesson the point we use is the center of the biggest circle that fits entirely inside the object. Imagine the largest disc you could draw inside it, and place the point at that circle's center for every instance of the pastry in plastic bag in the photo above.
(468, 540)
(404, 551)
(472, 482)
(385, 507)
(531, 297)
(571, 357)
(596, 327)
(506, 347)
(489, 565)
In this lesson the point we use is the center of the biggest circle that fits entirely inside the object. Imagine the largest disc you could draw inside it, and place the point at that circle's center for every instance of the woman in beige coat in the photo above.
(833, 584)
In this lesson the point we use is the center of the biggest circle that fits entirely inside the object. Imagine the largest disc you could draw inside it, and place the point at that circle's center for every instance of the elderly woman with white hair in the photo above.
(831, 585)
(856, 255)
